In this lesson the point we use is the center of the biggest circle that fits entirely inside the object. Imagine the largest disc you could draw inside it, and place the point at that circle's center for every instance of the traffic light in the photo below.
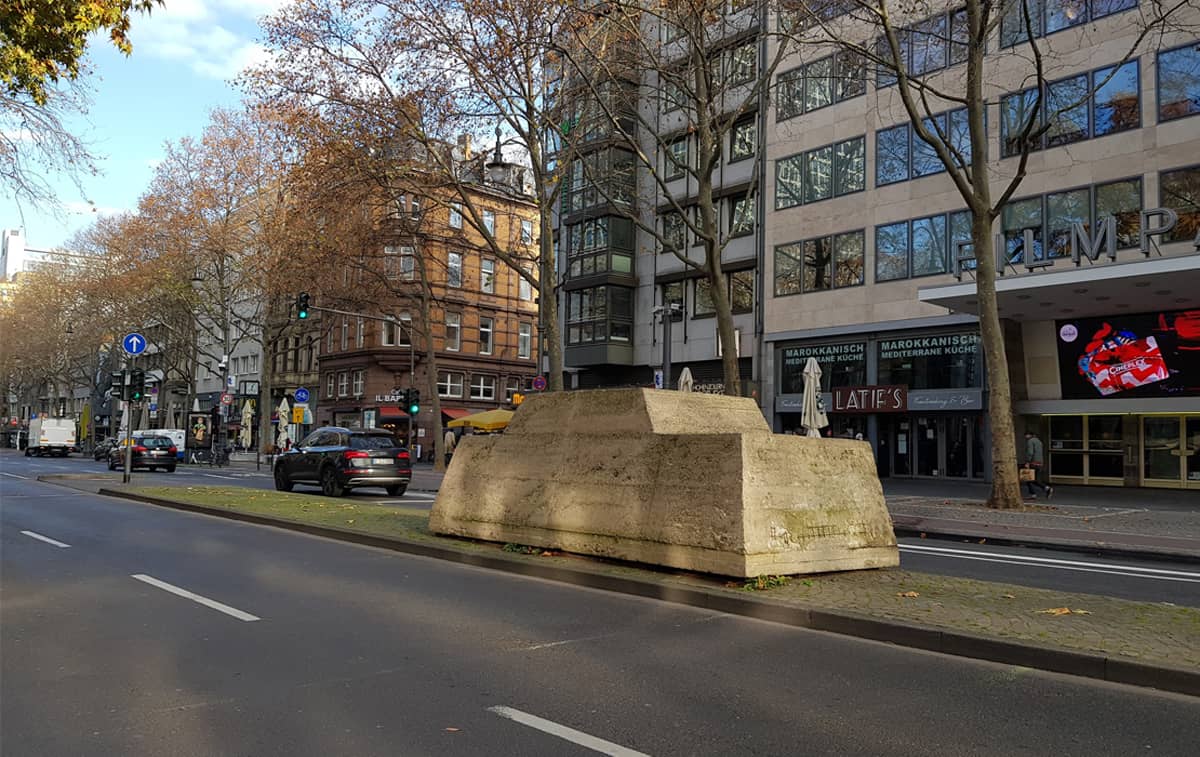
(137, 385)
(412, 401)
(302, 305)
(117, 390)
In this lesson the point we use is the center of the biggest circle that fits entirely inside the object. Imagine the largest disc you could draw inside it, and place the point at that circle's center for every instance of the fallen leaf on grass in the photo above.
(908, 594)
(1007, 596)
(1063, 611)
(983, 541)
(452, 730)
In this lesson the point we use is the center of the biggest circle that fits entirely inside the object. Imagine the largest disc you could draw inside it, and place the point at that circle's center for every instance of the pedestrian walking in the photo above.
(1035, 459)
(449, 441)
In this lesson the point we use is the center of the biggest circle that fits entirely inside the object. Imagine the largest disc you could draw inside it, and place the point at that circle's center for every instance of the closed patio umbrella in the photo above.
(686, 382)
(812, 415)
(247, 432)
(285, 416)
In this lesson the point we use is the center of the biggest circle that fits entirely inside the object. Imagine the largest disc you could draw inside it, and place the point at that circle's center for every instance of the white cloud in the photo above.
(215, 38)
(89, 208)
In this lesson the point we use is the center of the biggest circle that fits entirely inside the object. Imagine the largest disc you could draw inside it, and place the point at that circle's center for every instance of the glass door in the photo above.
(1191, 451)
(926, 440)
(959, 438)
(902, 447)
(1162, 450)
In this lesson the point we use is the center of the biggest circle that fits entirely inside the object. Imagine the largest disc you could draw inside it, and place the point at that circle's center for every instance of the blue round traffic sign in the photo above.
(539, 383)
(301, 395)
(134, 344)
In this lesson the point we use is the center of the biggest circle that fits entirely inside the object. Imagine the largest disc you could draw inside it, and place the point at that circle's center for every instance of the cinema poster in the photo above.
(1146, 355)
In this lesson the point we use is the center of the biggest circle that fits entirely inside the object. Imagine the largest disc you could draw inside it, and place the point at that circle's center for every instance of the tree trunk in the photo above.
(1006, 488)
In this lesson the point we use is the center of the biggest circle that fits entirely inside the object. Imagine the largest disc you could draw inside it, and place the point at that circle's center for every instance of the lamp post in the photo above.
(669, 313)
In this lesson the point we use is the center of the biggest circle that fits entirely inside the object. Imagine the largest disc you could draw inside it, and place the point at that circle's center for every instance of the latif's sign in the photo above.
(1154, 222)
(870, 399)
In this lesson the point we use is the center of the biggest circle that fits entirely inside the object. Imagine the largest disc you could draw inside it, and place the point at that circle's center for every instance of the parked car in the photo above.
(103, 448)
(149, 452)
(339, 459)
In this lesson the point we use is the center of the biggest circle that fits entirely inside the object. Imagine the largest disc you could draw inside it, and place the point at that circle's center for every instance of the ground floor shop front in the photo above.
(1153, 450)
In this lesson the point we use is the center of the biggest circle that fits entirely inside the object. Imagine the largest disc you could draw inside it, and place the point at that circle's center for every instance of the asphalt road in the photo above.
(134, 630)
(1142, 580)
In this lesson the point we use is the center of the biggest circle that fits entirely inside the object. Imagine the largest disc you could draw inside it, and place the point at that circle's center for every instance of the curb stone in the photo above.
(1083, 664)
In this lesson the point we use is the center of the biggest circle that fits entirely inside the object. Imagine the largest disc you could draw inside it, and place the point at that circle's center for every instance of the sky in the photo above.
(184, 57)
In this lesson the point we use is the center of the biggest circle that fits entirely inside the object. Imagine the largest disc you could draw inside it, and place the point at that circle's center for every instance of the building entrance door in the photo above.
(1171, 451)
(949, 446)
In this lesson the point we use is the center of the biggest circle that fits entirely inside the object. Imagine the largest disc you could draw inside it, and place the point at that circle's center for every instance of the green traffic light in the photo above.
(414, 409)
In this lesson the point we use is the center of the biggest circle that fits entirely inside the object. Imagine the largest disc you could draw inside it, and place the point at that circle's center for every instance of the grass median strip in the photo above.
(1156, 633)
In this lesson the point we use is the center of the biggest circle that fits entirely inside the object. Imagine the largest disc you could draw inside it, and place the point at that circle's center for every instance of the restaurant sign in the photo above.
(870, 399)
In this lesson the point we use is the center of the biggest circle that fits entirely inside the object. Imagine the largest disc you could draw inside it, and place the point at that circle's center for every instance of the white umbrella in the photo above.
(686, 382)
(285, 416)
(195, 404)
(812, 416)
(247, 433)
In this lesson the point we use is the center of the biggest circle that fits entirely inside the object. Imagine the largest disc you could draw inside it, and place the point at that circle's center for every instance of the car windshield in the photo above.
(372, 441)
(155, 442)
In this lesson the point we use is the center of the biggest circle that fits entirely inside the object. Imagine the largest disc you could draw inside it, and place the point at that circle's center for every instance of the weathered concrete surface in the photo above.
(691, 481)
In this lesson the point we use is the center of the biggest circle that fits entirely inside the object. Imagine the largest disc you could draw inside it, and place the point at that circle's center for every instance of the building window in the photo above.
(830, 171)
(743, 63)
(404, 331)
(456, 216)
(489, 221)
(598, 314)
(487, 276)
(819, 264)
(676, 159)
(453, 331)
(399, 262)
(948, 361)
(330, 379)
(454, 269)
(1179, 82)
(524, 340)
(345, 333)
(357, 387)
(743, 138)
(1049, 16)
(741, 291)
(702, 301)
(1180, 191)
(789, 269)
(674, 231)
(901, 154)
(450, 384)
(483, 387)
(486, 327)
(526, 231)
(343, 383)
(1095, 104)
(741, 216)
(359, 333)
(512, 385)
(524, 288)
(820, 83)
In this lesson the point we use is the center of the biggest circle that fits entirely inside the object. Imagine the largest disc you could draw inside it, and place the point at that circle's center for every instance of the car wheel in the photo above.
(329, 483)
(28, 452)
(396, 490)
(282, 482)
(112, 465)
(170, 469)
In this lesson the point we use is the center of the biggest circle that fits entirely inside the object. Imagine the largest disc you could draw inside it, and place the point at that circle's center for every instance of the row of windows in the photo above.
(737, 211)
(901, 154)
(925, 246)
(600, 314)
(740, 292)
(344, 384)
(734, 66)
(823, 82)
(397, 334)
(829, 171)
(452, 384)
(404, 269)
(1095, 104)
(1049, 16)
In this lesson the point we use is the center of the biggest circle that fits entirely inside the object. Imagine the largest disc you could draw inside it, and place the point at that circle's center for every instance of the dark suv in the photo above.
(149, 452)
(339, 459)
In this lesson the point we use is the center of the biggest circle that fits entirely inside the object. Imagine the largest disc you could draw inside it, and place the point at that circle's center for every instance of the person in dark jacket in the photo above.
(1035, 458)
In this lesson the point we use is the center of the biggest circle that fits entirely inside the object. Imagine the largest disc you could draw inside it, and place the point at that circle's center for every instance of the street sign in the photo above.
(153, 406)
(658, 378)
(302, 395)
(297, 415)
(134, 344)
(231, 381)
(539, 383)
(226, 399)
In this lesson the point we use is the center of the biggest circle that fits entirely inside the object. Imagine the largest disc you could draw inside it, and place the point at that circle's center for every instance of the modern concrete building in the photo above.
(852, 258)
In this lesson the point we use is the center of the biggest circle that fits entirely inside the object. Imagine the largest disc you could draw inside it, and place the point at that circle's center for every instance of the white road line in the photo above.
(219, 607)
(1133, 571)
(14, 475)
(215, 475)
(46, 539)
(568, 734)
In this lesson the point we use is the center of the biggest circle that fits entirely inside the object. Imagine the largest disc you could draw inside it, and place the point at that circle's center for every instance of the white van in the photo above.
(176, 435)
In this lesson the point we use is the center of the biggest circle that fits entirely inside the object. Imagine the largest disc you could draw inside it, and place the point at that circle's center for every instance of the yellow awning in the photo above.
(488, 420)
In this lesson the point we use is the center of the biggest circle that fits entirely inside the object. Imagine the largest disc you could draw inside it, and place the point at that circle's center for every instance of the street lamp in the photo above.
(669, 313)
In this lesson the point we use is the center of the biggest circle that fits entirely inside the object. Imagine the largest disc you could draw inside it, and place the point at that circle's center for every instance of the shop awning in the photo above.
(456, 412)
(1170, 283)
(391, 411)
